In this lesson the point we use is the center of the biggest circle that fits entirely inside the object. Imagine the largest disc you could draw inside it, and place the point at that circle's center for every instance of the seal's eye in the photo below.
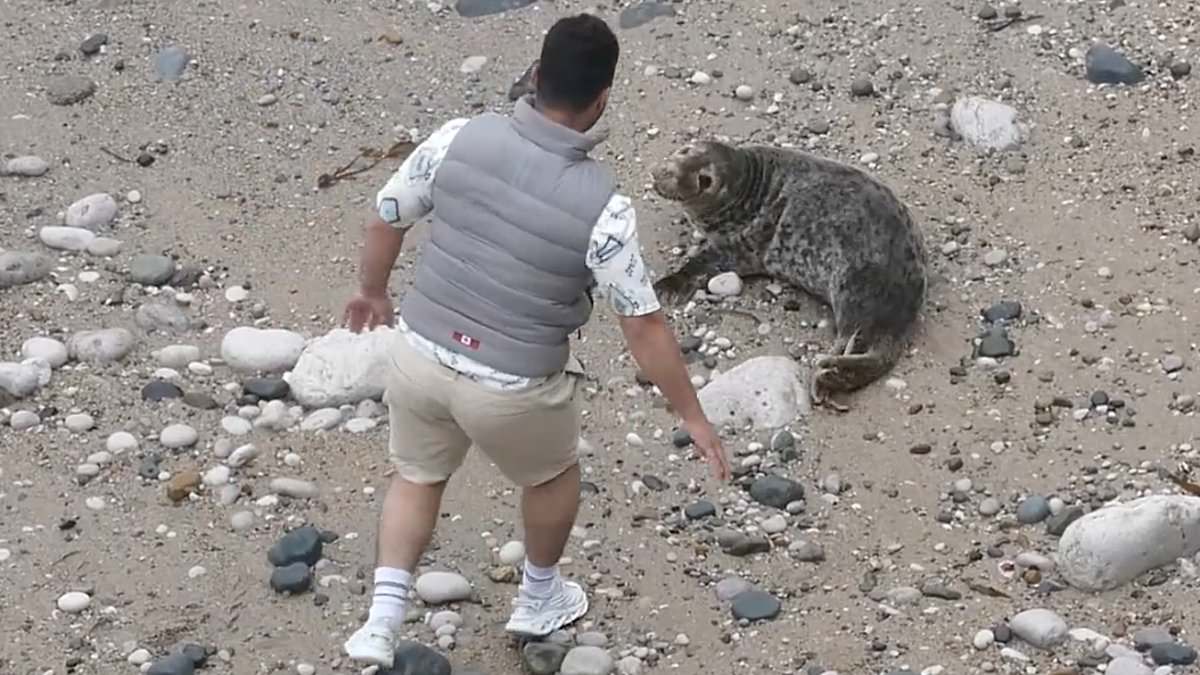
(705, 182)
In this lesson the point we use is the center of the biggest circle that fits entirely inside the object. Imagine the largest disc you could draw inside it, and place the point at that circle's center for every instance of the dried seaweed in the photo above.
(399, 150)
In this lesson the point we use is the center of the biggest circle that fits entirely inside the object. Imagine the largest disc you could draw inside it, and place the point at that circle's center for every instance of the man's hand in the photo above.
(369, 310)
(706, 440)
(654, 347)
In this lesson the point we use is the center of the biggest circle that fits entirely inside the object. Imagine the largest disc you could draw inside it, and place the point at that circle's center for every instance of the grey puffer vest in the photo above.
(503, 278)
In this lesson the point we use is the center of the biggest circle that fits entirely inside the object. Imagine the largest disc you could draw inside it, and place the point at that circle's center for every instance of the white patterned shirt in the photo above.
(614, 255)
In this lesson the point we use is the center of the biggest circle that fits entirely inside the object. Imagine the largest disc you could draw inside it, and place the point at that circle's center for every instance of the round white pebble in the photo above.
(138, 657)
(178, 436)
(744, 92)
(512, 553)
(121, 441)
(74, 602)
(236, 294)
(79, 422)
(94, 503)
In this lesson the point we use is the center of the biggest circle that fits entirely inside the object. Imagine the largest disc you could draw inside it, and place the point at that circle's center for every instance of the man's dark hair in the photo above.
(579, 60)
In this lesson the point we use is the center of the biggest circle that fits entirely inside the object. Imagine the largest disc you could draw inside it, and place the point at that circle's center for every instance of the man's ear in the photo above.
(534, 76)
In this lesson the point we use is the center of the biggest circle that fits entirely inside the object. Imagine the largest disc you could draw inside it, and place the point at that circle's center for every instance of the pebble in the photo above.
(640, 13)
(265, 350)
(302, 544)
(730, 587)
(472, 64)
(241, 521)
(101, 346)
(74, 602)
(104, 247)
(24, 419)
(236, 426)
(1128, 665)
(293, 487)
(725, 284)
(266, 388)
(806, 551)
(776, 491)
(439, 588)
(512, 553)
(322, 420)
(18, 268)
(986, 124)
(585, 660)
(543, 658)
(151, 270)
(79, 423)
(159, 390)
(1033, 510)
(294, 578)
(755, 605)
(744, 92)
(1105, 65)
(178, 436)
(1041, 628)
(66, 238)
(47, 349)
(983, 639)
(69, 89)
(174, 664)
(412, 658)
(170, 63)
(700, 77)
(990, 506)
(862, 87)
(27, 166)
(92, 212)
(1173, 654)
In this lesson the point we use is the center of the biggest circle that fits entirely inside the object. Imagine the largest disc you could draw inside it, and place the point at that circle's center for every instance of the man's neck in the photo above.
(566, 119)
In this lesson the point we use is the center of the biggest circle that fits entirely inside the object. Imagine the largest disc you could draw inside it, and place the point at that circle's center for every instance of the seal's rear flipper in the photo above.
(849, 372)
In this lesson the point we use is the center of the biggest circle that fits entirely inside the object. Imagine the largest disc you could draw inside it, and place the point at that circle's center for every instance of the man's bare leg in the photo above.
(406, 524)
(545, 602)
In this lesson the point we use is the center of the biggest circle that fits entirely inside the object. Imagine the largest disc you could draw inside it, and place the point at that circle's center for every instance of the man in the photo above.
(524, 225)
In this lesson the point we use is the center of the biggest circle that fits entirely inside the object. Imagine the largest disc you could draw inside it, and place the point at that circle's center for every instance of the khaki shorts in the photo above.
(437, 414)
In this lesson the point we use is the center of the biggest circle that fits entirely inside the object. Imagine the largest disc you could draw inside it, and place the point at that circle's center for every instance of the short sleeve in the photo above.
(615, 258)
(408, 195)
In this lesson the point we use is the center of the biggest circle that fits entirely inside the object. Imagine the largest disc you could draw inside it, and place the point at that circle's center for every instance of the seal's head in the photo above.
(697, 175)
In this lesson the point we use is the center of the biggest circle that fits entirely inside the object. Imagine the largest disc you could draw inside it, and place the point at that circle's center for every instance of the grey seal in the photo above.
(827, 228)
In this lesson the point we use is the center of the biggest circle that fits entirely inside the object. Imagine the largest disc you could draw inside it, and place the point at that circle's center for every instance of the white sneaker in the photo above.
(539, 617)
(372, 644)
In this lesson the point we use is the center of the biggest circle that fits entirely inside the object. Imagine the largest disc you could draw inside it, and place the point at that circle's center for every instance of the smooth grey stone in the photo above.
(151, 270)
(69, 89)
(587, 661)
(294, 578)
(643, 13)
(730, 587)
(1033, 509)
(543, 658)
(302, 544)
(700, 509)
(163, 317)
(1041, 628)
(739, 545)
(1005, 310)
(101, 346)
(91, 46)
(170, 63)
(1105, 65)
(175, 664)
(416, 659)
(754, 605)
(473, 9)
(1148, 638)
(160, 390)
(18, 268)
(28, 166)
(1057, 523)
(776, 491)
(1173, 654)
(996, 343)
(266, 388)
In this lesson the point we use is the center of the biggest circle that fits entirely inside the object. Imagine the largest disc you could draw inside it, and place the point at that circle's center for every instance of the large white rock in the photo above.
(1041, 628)
(439, 588)
(66, 238)
(986, 124)
(341, 368)
(24, 378)
(267, 350)
(1116, 544)
(92, 212)
(766, 392)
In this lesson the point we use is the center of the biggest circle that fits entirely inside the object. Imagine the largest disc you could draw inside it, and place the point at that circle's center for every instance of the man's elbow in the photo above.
(637, 328)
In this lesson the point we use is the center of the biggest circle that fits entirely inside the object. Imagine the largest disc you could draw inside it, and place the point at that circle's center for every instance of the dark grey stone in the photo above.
(654, 483)
(1105, 65)
(417, 659)
(681, 438)
(302, 544)
(91, 46)
(995, 343)
(175, 664)
(700, 509)
(294, 578)
(266, 388)
(69, 89)
(473, 9)
(1003, 633)
(643, 13)
(776, 491)
(200, 400)
(1145, 639)
(1173, 654)
(740, 545)
(543, 658)
(782, 441)
(170, 63)
(1033, 509)
(160, 390)
(1005, 310)
(1058, 523)
(755, 605)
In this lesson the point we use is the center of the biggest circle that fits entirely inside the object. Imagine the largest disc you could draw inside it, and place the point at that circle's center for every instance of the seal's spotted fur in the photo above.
(822, 226)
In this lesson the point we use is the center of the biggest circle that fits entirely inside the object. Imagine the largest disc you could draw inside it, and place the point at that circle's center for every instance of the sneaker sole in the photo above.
(566, 620)
(370, 660)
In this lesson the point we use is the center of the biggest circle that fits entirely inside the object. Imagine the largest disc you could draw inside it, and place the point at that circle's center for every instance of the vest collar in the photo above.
(550, 135)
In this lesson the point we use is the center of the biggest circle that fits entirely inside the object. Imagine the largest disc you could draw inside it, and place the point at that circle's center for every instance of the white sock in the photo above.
(391, 597)
(538, 581)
